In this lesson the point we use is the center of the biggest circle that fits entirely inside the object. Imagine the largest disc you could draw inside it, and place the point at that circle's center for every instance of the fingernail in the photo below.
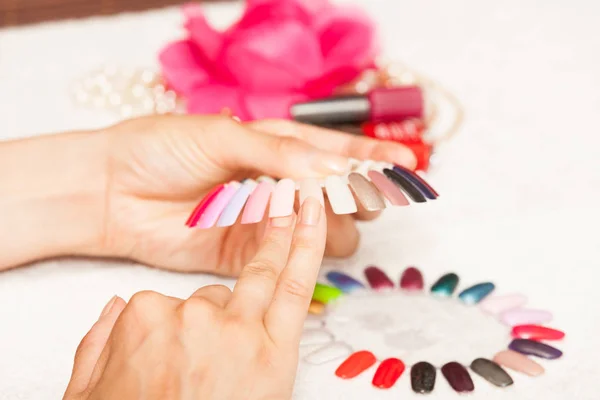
(108, 306)
(282, 222)
(331, 163)
(311, 211)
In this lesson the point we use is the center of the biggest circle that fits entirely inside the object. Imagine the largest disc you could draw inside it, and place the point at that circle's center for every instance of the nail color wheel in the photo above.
(447, 345)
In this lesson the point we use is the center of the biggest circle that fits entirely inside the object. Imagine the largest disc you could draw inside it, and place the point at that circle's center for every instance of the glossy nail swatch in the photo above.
(315, 336)
(388, 188)
(311, 188)
(257, 203)
(201, 207)
(533, 348)
(476, 293)
(521, 316)
(388, 373)
(499, 304)
(344, 282)
(366, 193)
(378, 279)
(417, 181)
(518, 362)
(422, 377)
(446, 285)
(339, 195)
(458, 377)
(536, 332)
(491, 372)
(282, 200)
(217, 205)
(236, 204)
(411, 279)
(356, 364)
(406, 185)
(329, 352)
(316, 307)
(325, 293)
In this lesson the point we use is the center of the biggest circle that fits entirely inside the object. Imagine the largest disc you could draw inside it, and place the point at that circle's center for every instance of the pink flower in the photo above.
(279, 52)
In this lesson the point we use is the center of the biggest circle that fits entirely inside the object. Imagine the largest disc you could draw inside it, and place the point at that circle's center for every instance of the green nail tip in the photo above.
(325, 293)
(446, 285)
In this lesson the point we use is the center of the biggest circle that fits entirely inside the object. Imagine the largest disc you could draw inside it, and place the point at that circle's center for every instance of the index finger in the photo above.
(286, 314)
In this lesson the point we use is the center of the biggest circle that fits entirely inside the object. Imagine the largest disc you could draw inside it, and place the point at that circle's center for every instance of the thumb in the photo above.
(90, 348)
(239, 147)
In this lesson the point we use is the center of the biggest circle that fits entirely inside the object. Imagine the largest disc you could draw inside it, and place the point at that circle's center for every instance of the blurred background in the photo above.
(520, 178)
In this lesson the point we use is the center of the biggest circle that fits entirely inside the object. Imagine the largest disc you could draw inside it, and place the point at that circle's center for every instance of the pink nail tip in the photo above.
(411, 279)
(217, 205)
(522, 316)
(282, 201)
(257, 203)
(378, 279)
(499, 304)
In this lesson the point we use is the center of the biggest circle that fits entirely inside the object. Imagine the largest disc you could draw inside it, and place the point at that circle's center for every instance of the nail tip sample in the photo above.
(217, 205)
(408, 187)
(476, 293)
(366, 193)
(388, 188)
(344, 282)
(411, 279)
(378, 279)
(491, 372)
(521, 316)
(445, 285)
(417, 181)
(499, 304)
(325, 293)
(518, 362)
(536, 332)
(422, 377)
(458, 377)
(257, 202)
(533, 348)
(355, 364)
(282, 199)
(388, 372)
(340, 196)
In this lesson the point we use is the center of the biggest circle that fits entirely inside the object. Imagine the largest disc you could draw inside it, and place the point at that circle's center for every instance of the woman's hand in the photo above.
(126, 191)
(160, 168)
(216, 344)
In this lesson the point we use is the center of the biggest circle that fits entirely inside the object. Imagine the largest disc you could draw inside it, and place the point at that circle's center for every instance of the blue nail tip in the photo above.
(344, 282)
(476, 293)
(410, 176)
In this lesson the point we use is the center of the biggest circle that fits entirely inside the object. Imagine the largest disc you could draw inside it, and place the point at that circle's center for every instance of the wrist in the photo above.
(53, 196)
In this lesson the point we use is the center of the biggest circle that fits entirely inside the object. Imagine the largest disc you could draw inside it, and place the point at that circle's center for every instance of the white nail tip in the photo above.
(521, 316)
(315, 336)
(328, 353)
(340, 197)
(498, 304)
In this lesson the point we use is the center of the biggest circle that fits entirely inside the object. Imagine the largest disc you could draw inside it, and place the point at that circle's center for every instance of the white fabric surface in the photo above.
(520, 184)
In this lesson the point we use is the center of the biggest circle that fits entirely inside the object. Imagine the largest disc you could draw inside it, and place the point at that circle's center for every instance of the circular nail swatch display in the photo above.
(523, 326)
(370, 185)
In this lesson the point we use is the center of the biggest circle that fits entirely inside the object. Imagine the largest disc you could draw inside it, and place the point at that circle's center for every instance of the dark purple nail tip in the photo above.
(533, 348)
(399, 180)
(458, 377)
(419, 182)
(377, 278)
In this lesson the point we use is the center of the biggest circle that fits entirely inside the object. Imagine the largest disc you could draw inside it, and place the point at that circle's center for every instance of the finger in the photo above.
(91, 347)
(219, 295)
(342, 234)
(360, 147)
(255, 287)
(286, 314)
(237, 147)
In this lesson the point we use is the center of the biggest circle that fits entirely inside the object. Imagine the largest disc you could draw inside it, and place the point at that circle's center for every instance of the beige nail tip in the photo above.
(518, 362)
(366, 192)
(311, 188)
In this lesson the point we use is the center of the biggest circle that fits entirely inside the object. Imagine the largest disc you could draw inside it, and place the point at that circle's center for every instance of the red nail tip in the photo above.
(378, 279)
(355, 364)
(536, 332)
(411, 279)
(388, 373)
(201, 207)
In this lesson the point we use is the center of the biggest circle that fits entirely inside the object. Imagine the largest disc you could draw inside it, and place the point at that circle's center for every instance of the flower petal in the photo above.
(273, 56)
(348, 39)
(206, 38)
(183, 66)
(271, 105)
(215, 98)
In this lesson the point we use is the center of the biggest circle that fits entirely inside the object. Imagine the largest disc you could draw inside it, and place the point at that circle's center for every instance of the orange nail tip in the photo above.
(355, 364)
(316, 307)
